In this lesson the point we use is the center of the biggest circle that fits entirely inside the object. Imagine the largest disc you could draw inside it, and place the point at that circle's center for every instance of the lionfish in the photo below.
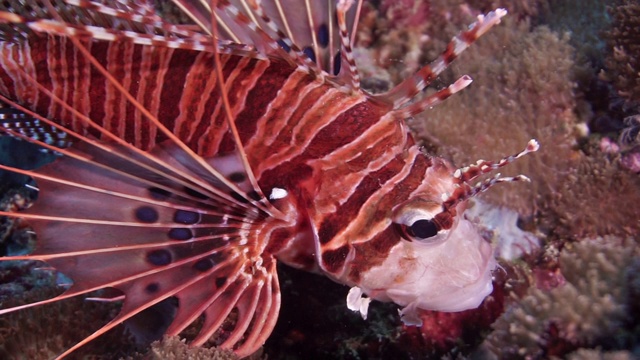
(193, 158)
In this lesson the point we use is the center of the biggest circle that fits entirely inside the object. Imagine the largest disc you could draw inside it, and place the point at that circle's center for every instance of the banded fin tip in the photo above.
(410, 87)
(481, 167)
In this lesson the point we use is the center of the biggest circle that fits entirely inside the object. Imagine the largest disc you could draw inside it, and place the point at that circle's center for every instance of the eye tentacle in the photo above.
(481, 167)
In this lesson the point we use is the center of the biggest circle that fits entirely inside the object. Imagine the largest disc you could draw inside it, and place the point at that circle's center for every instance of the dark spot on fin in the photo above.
(194, 193)
(284, 45)
(254, 195)
(308, 50)
(152, 288)
(203, 265)
(239, 197)
(159, 257)
(323, 35)
(337, 62)
(220, 282)
(237, 177)
(186, 217)
(159, 194)
(147, 214)
(180, 234)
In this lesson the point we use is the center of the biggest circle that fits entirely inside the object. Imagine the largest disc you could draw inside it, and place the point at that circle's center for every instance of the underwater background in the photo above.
(566, 73)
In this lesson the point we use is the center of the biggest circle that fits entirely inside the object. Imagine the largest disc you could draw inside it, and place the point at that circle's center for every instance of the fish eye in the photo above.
(423, 229)
(416, 222)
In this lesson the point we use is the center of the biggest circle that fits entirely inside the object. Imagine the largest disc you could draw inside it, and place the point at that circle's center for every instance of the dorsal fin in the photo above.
(410, 87)
(316, 38)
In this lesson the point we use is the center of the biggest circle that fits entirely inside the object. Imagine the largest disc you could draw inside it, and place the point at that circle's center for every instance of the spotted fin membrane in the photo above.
(155, 221)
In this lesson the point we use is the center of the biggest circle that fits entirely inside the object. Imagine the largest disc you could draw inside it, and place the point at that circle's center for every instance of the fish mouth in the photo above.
(469, 295)
(468, 292)
(465, 297)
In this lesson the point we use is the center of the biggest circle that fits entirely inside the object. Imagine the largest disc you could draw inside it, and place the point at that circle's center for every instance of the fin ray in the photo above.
(103, 190)
(410, 87)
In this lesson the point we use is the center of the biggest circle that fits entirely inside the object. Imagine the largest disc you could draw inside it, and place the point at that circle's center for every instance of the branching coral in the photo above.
(592, 308)
(623, 61)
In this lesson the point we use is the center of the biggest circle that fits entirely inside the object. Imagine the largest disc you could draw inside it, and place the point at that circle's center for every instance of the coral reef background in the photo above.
(564, 72)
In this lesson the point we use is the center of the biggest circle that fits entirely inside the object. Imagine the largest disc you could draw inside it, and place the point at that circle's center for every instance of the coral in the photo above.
(46, 331)
(596, 197)
(591, 308)
(12, 240)
(585, 20)
(174, 348)
(406, 13)
(390, 49)
(630, 135)
(620, 121)
(500, 224)
(623, 45)
(520, 9)
(587, 354)
(522, 89)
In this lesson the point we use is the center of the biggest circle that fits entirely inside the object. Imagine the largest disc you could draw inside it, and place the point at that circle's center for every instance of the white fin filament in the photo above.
(278, 193)
(356, 302)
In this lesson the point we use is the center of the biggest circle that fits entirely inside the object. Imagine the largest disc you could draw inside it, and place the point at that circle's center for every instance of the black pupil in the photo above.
(423, 229)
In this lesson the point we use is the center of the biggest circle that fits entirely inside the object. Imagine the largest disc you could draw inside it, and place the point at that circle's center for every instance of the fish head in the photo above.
(439, 261)
(434, 257)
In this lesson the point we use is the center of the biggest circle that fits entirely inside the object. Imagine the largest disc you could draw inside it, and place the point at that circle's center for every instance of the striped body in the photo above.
(311, 133)
(194, 168)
